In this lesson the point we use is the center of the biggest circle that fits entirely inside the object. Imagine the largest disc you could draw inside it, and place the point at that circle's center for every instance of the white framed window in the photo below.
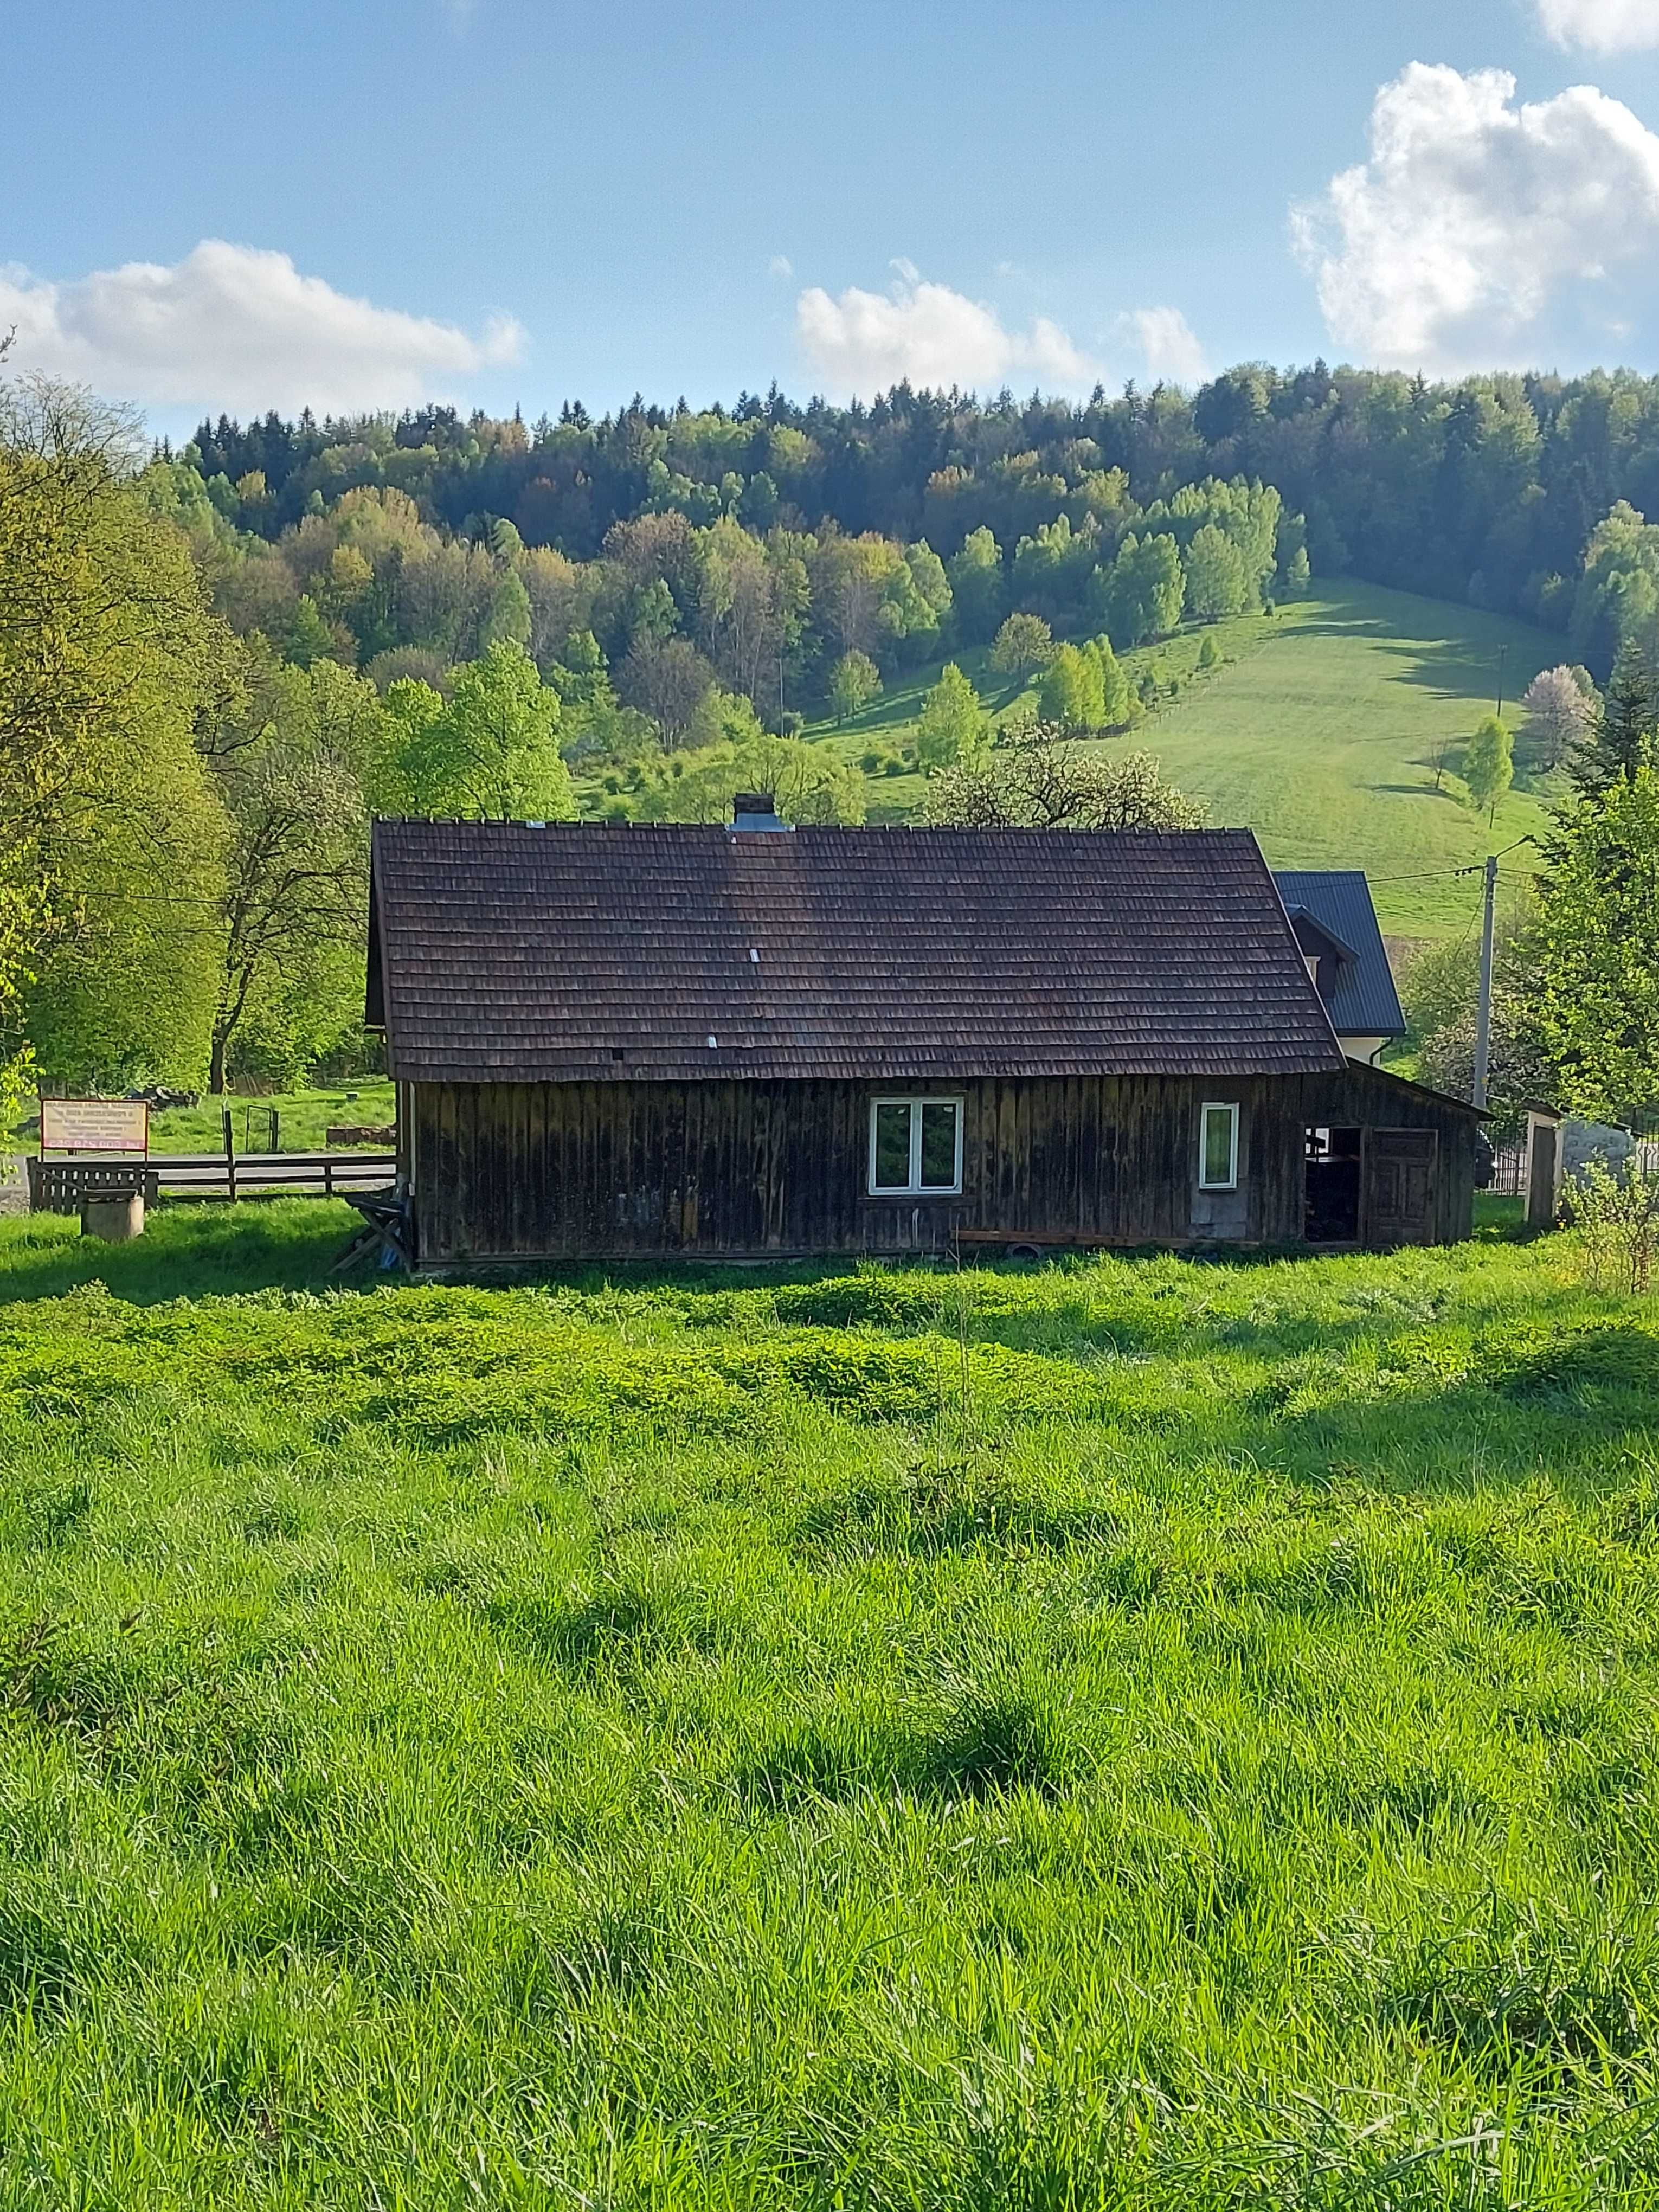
(915, 1147)
(1217, 1145)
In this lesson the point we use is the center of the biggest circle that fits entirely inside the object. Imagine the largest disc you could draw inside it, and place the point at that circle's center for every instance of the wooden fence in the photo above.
(62, 1186)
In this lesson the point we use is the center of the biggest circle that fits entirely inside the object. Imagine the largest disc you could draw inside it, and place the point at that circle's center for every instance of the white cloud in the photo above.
(1475, 223)
(1605, 27)
(863, 341)
(237, 328)
(780, 265)
(1173, 354)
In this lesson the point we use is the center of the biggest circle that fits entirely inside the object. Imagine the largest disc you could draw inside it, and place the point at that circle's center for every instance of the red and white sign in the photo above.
(94, 1125)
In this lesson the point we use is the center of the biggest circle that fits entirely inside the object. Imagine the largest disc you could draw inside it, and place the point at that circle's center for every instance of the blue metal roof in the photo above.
(1363, 1001)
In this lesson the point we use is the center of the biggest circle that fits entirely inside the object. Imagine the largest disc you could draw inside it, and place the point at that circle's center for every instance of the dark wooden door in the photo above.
(1400, 1172)
(1541, 1174)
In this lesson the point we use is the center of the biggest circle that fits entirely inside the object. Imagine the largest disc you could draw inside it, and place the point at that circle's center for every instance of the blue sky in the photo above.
(510, 201)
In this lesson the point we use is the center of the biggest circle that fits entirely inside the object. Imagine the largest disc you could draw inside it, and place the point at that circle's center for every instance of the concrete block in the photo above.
(116, 1220)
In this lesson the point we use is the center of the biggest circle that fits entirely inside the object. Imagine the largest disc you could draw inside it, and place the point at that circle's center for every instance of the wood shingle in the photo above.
(506, 952)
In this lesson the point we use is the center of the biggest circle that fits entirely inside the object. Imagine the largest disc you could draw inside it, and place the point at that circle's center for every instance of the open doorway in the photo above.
(1334, 1159)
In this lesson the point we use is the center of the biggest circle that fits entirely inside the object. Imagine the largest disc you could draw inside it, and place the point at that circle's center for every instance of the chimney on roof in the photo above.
(754, 810)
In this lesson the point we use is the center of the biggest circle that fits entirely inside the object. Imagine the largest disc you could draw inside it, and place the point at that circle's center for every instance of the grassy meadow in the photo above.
(1126, 1733)
(1319, 732)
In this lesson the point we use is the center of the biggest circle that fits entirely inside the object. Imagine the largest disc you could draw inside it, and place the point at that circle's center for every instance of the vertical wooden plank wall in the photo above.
(517, 1171)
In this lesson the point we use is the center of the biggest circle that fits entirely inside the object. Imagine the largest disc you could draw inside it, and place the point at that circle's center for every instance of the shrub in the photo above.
(1617, 1214)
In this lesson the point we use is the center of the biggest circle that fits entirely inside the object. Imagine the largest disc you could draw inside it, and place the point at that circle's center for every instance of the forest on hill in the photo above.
(217, 663)
(1519, 494)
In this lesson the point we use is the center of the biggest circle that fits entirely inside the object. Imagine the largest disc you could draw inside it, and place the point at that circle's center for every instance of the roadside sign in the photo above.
(94, 1125)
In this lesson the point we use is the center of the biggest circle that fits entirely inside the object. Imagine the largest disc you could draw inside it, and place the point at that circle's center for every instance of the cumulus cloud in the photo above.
(238, 328)
(1476, 225)
(1605, 27)
(863, 341)
(1166, 339)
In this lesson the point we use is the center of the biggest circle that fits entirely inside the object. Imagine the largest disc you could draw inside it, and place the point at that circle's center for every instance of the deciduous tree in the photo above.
(951, 726)
(1023, 644)
(853, 682)
(1488, 765)
(1039, 780)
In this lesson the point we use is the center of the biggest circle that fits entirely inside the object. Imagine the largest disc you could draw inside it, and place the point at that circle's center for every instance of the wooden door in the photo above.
(1541, 1174)
(1399, 1186)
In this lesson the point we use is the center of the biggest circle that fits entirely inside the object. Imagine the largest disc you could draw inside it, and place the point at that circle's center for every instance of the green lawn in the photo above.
(1318, 733)
(1126, 1733)
(304, 1118)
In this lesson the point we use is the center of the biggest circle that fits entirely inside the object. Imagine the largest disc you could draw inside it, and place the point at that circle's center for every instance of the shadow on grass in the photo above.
(187, 1251)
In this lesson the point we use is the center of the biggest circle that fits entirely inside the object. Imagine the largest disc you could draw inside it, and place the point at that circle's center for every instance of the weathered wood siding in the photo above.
(507, 1171)
(1369, 1098)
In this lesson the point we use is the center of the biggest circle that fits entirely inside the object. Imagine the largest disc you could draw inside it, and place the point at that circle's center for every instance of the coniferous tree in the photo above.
(1622, 734)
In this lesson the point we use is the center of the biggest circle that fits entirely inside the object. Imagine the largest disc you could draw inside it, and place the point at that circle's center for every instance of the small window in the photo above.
(915, 1147)
(1218, 1147)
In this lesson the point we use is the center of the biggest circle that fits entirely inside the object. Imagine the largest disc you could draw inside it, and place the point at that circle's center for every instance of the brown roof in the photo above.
(505, 952)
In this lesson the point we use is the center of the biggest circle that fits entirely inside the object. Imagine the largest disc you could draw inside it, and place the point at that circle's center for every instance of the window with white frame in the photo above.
(1218, 1147)
(915, 1147)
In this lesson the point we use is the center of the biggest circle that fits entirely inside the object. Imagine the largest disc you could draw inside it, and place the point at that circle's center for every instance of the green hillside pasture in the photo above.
(1132, 1733)
(1319, 732)
(1322, 741)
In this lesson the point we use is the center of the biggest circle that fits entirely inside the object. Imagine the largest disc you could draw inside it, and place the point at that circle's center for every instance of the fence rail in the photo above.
(64, 1186)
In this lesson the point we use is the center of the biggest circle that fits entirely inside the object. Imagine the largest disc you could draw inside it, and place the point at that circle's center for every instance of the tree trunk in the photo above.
(216, 1066)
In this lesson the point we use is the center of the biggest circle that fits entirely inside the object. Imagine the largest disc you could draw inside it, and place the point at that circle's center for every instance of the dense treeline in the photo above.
(1488, 491)
(697, 586)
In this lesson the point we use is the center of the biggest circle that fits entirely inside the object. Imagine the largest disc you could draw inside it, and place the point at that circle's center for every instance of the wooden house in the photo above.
(753, 1042)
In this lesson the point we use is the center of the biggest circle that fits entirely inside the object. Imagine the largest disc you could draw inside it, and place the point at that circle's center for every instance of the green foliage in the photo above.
(555, 1710)
(1142, 593)
(490, 751)
(510, 620)
(1489, 764)
(1621, 731)
(1072, 692)
(1217, 586)
(952, 726)
(110, 838)
(1438, 992)
(977, 587)
(1596, 977)
(1209, 657)
(808, 782)
(1023, 644)
(853, 682)
(1039, 780)
(1617, 1213)
(290, 766)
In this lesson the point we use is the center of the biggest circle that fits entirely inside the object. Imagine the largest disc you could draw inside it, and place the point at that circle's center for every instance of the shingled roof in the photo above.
(507, 952)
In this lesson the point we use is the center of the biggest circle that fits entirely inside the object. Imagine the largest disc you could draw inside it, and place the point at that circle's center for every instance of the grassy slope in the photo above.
(1318, 734)
(1132, 1733)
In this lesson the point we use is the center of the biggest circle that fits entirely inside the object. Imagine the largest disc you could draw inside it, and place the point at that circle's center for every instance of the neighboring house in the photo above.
(614, 1042)
(1335, 925)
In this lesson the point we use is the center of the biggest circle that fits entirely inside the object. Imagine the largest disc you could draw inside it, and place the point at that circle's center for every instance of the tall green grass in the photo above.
(1123, 1733)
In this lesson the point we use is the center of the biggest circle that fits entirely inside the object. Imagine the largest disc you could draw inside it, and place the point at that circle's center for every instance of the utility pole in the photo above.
(1483, 1012)
(1502, 651)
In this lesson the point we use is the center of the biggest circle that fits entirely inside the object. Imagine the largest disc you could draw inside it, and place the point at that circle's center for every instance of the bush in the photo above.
(1617, 1214)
